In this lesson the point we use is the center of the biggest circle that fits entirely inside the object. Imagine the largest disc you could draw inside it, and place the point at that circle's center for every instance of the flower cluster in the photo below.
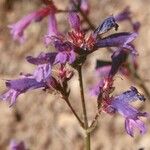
(53, 71)
(107, 71)
(17, 29)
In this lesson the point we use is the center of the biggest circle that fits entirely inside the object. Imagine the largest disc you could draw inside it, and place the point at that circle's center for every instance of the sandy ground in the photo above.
(42, 120)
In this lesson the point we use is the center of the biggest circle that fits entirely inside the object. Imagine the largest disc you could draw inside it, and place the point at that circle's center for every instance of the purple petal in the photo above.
(10, 96)
(52, 29)
(72, 57)
(124, 15)
(129, 127)
(43, 58)
(103, 71)
(116, 40)
(42, 72)
(24, 84)
(74, 21)
(19, 86)
(107, 24)
(62, 46)
(136, 26)
(131, 124)
(118, 58)
(61, 57)
(130, 96)
(95, 90)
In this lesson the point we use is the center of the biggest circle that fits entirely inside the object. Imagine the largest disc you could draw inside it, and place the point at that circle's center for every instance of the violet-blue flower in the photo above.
(122, 39)
(121, 104)
(19, 86)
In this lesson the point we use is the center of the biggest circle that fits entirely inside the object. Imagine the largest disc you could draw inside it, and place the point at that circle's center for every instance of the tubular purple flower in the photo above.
(121, 104)
(122, 39)
(42, 58)
(123, 15)
(19, 86)
(74, 21)
(52, 29)
(14, 145)
(17, 29)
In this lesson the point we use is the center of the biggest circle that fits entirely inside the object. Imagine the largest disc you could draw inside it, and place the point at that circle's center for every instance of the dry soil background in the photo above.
(42, 120)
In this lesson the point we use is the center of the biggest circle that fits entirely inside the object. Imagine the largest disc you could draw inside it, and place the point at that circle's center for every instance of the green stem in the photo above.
(87, 134)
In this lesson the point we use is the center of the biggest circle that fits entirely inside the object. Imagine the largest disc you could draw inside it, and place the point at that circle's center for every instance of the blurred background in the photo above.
(42, 120)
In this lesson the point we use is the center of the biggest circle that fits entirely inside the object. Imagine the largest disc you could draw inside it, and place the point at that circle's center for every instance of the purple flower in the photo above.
(42, 58)
(52, 29)
(14, 145)
(118, 58)
(19, 86)
(44, 63)
(65, 52)
(122, 39)
(106, 25)
(74, 21)
(123, 15)
(17, 29)
(121, 104)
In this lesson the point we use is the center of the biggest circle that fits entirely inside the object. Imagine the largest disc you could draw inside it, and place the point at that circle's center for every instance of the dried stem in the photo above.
(73, 111)
(87, 137)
